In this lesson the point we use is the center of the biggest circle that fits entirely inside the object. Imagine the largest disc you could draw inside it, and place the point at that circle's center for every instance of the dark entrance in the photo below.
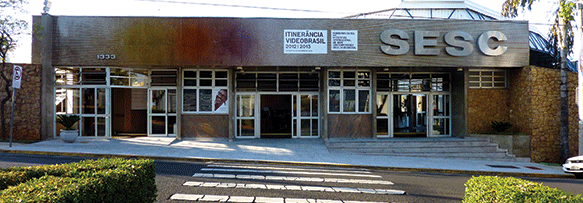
(276, 117)
(129, 114)
(410, 115)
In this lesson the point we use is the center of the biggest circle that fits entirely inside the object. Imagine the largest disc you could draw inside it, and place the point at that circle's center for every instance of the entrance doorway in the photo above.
(410, 115)
(129, 111)
(276, 116)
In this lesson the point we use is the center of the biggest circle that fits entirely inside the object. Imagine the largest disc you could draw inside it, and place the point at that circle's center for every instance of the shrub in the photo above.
(500, 126)
(103, 180)
(499, 189)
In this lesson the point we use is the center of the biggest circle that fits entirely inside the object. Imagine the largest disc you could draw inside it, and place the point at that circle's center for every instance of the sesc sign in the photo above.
(458, 43)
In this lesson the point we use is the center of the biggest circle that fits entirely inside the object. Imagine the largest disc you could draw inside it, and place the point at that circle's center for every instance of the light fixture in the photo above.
(317, 68)
(460, 69)
(385, 69)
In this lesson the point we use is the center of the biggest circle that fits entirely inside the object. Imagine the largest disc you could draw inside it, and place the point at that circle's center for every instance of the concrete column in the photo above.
(324, 102)
(373, 99)
(179, 103)
(232, 104)
(47, 79)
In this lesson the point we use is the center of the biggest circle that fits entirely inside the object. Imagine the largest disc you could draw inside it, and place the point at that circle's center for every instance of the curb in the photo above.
(387, 168)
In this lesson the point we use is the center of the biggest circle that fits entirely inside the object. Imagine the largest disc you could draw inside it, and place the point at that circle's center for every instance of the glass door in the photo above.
(245, 118)
(162, 112)
(94, 117)
(307, 124)
(384, 115)
(441, 118)
(409, 115)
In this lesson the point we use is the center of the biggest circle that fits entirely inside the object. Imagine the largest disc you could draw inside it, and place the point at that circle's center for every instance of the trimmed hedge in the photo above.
(508, 189)
(103, 180)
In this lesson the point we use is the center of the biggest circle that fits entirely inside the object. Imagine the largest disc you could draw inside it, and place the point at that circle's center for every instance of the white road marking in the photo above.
(294, 187)
(245, 199)
(291, 178)
(288, 172)
(283, 168)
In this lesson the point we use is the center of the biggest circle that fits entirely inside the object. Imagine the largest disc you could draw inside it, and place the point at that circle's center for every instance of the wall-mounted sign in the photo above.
(344, 40)
(305, 41)
(458, 43)
(16, 76)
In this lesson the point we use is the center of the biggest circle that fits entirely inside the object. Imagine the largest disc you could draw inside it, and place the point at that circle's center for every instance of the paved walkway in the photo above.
(288, 151)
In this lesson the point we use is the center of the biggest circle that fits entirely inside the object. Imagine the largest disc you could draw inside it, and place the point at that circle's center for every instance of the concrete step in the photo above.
(460, 148)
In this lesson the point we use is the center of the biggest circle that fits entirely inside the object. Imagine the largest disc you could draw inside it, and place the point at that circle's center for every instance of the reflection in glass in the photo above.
(67, 100)
(158, 125)
(305, 105)
(171, 125)
(158, 98)
(88, 101)
(334, 100)
(101, 101)
(314, 105)
(189, 100)
(382, 105)
(441, 126)
(246, 106)
(171, 101)
(349, 100)
(205, 100)
(246, 127)
(363, 100)
(88, 126)
(440, 105)
(305, 127)
(100, 126)
(382, 126)
(315, 127)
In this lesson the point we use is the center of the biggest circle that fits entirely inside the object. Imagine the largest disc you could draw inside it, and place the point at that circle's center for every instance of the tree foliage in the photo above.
(563, 14)
(10, 25)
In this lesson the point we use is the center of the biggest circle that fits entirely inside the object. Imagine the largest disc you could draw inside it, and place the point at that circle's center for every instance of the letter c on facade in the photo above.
(401, 44)
(485, 48)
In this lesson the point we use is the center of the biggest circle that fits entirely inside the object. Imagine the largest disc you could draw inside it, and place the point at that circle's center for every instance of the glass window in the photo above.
(354, 88)
(205, 91)
(349, 101)
(363, 100)
(334, 100)
(480, 78)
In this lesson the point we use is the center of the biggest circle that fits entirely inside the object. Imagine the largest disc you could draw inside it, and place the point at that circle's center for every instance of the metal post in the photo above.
(12, 115)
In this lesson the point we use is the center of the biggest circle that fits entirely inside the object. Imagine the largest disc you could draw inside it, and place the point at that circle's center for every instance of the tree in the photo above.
(10, 27)
(561, 38)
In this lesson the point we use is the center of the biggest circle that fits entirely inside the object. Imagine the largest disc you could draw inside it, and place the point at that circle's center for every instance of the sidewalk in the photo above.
(283, 151)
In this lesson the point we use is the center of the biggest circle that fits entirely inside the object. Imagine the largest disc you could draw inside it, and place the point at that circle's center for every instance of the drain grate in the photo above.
(502, 166)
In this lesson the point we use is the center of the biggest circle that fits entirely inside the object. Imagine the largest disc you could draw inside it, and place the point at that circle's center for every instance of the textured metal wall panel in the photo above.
(166, 41)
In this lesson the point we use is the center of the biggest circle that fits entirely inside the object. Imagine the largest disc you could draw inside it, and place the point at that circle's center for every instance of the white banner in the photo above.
(305, 42)
(16, 76)
(344, 40)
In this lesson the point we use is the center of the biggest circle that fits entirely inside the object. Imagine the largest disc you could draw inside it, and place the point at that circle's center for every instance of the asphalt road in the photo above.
(177, 181)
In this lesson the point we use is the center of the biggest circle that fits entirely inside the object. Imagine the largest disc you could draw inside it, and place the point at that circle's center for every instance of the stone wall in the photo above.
(27, 122)
(545, 115)
(531, 104)
(484, 106)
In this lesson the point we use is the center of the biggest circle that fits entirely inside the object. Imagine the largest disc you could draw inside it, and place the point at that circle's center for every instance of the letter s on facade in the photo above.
(485, 48)
(462, 47)
(400, 43)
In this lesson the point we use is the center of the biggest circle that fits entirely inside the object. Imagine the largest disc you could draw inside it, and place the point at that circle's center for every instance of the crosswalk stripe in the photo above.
(288, 172)
(246, 199)
(291, 178)
(283, 168)
(295, 187)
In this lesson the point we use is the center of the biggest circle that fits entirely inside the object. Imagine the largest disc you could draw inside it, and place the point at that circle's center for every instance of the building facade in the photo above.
(270, 78)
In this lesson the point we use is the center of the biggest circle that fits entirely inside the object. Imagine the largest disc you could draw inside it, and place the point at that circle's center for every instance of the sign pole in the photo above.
(12, 116)
(16, 77)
